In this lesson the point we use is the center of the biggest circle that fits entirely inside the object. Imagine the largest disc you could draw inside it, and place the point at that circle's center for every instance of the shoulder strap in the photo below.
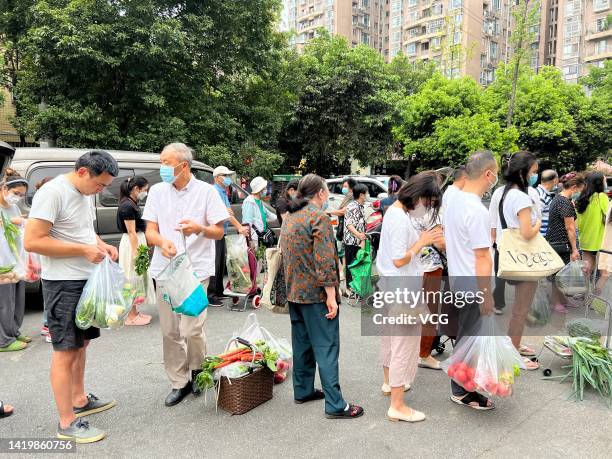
(502, 217)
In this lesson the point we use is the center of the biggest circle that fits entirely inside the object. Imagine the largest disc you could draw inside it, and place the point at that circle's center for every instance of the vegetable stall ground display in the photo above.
(107, 297)
(485, 362)
(244, 374)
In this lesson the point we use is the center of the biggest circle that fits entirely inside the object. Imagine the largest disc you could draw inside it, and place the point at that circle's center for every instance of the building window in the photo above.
(572, 29)
(411, 49)
(570, 70)
(493, 50)
(436, 42)
(601, 25)
(365, 3)
(570, 50)
(413, 2)
(454, 4)
(396, 37)
(365, 39)
(396, 6)
(458, 19)
(602, 47)
(457, 38)
(436, 9)
(497, 5)
(366, 20)
(395, 22)
(414, 16)
(483, 60)
(601, 5)
(425, 46)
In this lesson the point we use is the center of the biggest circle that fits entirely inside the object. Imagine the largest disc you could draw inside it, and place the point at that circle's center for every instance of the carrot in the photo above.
(234, 352)
(222, 364)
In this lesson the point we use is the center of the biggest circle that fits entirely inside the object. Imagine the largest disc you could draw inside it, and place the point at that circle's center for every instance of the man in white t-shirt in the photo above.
(183, 203)
(468, 249)
(499, 292)
(60, 228)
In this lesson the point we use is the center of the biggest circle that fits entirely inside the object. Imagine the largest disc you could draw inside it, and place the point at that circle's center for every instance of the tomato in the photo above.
(491, 387)
(461, 377)
(471, 372)
(470, 386)
(503, 390)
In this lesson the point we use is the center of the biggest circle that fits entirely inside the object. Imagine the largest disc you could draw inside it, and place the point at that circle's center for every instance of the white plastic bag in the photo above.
(540, 310)
(106, 299)
(33, 267)
(8, 263)
(237, 262)
(486, 362)
(571, 279)
(181, 289)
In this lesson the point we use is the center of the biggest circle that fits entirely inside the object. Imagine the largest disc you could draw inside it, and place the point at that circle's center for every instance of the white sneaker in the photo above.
(386, 389)
(414, 416)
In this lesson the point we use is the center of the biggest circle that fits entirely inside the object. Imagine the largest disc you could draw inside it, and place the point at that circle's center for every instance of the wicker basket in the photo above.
(245, 393)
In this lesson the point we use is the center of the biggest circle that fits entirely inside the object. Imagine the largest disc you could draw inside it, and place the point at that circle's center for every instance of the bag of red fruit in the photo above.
(486, 362)
(33, 267)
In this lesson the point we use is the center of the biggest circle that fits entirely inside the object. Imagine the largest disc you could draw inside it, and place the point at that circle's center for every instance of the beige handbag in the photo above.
(273, 261)
(522, 260)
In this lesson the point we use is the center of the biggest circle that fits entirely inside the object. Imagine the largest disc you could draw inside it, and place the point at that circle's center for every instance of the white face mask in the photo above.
(142, 195)
(419, 211)
(12, 199)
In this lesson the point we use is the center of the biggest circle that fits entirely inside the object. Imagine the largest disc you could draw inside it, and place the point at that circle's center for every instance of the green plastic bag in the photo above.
(361, 270)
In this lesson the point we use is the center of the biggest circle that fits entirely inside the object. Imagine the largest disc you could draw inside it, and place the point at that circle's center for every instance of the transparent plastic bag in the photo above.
(540, 310)
(8, 263)
(181, 289)
(571, 279)
(486, 362)
(106, 299)
(33, 267)
(237, 262)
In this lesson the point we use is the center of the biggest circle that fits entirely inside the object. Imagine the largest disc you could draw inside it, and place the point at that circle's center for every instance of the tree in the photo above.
(341, 113)
(445, 121)
(137, 74)
(526, 15)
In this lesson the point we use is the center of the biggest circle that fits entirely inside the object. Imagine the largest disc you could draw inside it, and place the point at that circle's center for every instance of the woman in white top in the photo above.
(521, 212)
(399, 266)
(254, 212)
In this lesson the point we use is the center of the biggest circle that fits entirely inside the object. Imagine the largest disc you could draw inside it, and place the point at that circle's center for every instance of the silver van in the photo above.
(36, 164)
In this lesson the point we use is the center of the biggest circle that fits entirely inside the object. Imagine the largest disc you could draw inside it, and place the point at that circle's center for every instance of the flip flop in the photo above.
(3, 412)
(138, 321)
(526, 351)
(24, 339)
(14, 346)
(530, 365)
(472, 397)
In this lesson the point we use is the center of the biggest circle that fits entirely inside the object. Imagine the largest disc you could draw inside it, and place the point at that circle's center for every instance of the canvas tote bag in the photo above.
(522, 260)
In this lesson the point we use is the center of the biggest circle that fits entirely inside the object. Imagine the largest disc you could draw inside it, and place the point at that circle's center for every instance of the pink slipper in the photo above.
(138, 321)
(560, 308)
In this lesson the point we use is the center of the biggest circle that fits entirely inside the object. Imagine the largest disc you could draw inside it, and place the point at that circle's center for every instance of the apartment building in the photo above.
(359, 21)
(577, 35)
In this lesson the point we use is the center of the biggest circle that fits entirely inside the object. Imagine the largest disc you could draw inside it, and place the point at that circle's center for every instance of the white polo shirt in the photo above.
(167, 206)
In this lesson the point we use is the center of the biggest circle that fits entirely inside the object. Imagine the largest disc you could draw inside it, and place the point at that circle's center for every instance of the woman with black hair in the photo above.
(395, 183)
(354, 229)
(12, 296)
(131, 224)
(282, 202)
(518, 210)
(399, 265)
(592, 208)
(311, 273)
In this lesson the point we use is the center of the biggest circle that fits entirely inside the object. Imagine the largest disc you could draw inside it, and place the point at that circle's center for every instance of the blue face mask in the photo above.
(264, 192)
(345, 191)
(227, 181)
(533, 179)
(167, 173)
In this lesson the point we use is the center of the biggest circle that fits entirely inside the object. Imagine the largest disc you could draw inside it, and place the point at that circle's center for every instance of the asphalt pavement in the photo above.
(537, 421)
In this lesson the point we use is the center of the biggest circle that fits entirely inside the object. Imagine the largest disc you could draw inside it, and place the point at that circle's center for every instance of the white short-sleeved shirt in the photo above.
(167, 206)
(72, 215)
(466, 228)
(398, 234)
(449, 194)
(514, 202)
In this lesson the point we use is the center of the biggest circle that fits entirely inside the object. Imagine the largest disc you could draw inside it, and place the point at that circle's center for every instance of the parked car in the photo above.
(35, 164)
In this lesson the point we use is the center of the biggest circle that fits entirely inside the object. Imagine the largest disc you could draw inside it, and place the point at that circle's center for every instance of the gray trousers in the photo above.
(12, 309)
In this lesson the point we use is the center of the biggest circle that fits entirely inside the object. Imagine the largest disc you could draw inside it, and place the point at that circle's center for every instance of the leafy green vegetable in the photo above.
(142, 261)
(11, 233)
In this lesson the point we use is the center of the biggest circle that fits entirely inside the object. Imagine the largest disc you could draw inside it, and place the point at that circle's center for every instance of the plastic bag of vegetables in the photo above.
(7, 263)
(572, 279)
(12, 241)
(485, 362)
(106, 299)
(540, 310)
(33, 267)
(237, 262)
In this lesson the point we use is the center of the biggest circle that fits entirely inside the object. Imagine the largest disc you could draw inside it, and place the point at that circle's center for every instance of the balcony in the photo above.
(595, 34)
(599, 55)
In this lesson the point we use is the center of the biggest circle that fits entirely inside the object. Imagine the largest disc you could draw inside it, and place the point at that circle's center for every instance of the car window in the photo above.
(109, 197)
(204, 175)
(41, 173)
(374, 189)
(335, 187)
(238, 194)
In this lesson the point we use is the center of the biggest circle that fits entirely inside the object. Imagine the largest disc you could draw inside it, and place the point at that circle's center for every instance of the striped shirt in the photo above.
(546, 198)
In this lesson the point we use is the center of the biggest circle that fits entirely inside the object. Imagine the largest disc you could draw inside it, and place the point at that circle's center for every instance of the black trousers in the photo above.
(499, 292)
(350, 253)
(467, 321)
(215, 284)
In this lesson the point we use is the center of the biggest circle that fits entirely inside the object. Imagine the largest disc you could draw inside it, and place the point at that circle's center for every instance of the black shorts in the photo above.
(61, 299)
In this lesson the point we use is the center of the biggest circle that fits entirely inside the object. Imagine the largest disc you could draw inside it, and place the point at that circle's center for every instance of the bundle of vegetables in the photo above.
(12, 235)
(591, 366)
(242, 360)
(582, 327)
(485, 362)
(107, 298)
(237, 262)
(141, 267)
(10, 255)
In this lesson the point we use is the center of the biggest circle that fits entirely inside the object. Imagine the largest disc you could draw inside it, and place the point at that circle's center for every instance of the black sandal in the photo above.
(354, 411)
(473, 397)
(316, 395)
(3, 413)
